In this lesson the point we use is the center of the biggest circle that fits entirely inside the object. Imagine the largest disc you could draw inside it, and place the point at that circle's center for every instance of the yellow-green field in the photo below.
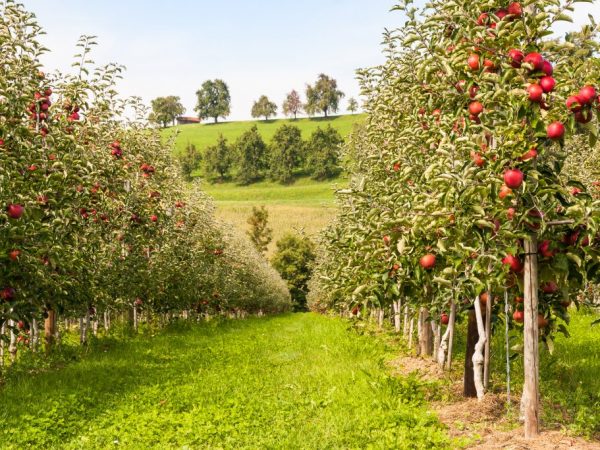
(307, 206)
(207, 134)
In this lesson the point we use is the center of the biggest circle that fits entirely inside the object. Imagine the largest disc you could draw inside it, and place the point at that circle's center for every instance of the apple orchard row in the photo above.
(93, 214)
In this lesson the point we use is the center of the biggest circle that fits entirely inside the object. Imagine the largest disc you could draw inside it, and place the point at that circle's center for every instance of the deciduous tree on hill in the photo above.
(260, 234)
(214, 100)
(166, 109)
(352, 105)
(324, 96)
(292, 104)
(264, 107)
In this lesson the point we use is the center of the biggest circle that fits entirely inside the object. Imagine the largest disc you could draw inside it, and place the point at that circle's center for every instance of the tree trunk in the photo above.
(380, 317)
(478, 357)
(411, 332)
(34, 336)
(436, 330)
(50, 330)
(507, 343)
(396, 305)
(488, 334)
(472, 338)
(12, 346)
(531, 394)
(406, 324)
(451, 326)
(426, 336)
(2, 331)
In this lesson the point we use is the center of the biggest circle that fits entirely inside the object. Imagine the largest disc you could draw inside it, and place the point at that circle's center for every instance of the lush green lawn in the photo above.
(295, 381)
(207, 134)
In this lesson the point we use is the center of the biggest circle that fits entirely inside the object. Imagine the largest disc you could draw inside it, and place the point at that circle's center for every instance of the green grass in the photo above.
(295, 381)
(204, 135)
(306, 206)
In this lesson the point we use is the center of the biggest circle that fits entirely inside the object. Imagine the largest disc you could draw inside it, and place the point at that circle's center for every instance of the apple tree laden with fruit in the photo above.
(94, 217)
(459, 192)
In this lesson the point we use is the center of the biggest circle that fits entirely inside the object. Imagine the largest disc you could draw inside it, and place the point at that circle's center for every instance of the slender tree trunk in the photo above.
(34, 335)
(50, 330)
(426, 337)
(406, 324)
(380, 317)
(531, 395)
(411, 332)
(2, 331)
(507, 344)
(478, 357)
(135, 318)
(396, 305)
(436, 330)
(12, 346)
(472, 338)
(488, 334)
(451, 327)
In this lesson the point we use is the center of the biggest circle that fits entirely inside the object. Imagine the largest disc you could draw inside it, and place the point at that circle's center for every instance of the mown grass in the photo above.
(204, 135)
(295, 381)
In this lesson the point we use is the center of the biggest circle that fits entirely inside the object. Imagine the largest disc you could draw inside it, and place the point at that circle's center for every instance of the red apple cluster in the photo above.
(147, 170)
(581, 104)
(116, 149)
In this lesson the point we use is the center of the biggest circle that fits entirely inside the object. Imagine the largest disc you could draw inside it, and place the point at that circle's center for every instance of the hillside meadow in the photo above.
(207, 134)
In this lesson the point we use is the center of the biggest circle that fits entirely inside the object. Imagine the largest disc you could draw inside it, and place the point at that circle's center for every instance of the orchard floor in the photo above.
(298, 381)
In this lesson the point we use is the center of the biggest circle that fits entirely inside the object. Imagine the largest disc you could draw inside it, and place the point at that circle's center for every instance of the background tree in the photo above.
(218, 159)
(292, 104)
(189, 161)
(213, 100)
(260, 234)
(352, 105)
(323, 153)
(285, 152)
(294, 259)
(264, 108)
(166, 109)
(324, 96)
(251, 154)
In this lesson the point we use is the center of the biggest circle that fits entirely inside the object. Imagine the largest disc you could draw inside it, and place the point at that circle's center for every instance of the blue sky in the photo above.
(258, 47)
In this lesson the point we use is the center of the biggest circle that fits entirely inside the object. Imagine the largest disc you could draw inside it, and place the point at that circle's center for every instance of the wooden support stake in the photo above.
(50, 330)
(531, 393)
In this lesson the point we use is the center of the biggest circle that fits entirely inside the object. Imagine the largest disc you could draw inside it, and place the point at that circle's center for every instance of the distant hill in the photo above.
(207, 134)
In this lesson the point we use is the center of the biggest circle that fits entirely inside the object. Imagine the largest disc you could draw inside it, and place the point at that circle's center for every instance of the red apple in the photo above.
(513, 178)
(544, 249)
(478, 160)
(550, 287)
(574, 103)
(483, 298)
(519, 316)
(355, 311)
(154, 218)
(536, 60)
(516, 57)
(473, 90)
(482, 19)
(8, 294)
(15, 211)
(476, 108)
(530, 154)
(547, 83)
(14, 255)
(386, 240)
(535, 92)
(556, 130)
(513, 262)
(505, 191)
(445, 319)
(542, 321)
(584, 116)
(587, 94)
(515, 9)
(473, 62)
(428, 261)
(501, 13)
(510, 213)
(519, 299)
(547, 68)
(489, 65)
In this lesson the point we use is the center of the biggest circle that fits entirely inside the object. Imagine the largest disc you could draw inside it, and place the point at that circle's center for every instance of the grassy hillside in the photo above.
(299, 381)
(207, 134)
(305, 206)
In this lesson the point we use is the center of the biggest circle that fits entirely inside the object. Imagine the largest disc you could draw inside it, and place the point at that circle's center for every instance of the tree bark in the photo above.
(451, 326)
(436, 330)
(50, 330)
(441, 353)
(2, 344)
(12, 346)
(488, 331)
(411, 332)
(531, 395)
(425, 338)
(472, 338)
(396, 305)
(478, 357)
(406, 322)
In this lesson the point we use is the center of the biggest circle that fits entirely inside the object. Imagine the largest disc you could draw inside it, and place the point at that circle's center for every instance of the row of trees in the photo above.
(214, 101)
(94, 216)
(460, 202)
(251, 159)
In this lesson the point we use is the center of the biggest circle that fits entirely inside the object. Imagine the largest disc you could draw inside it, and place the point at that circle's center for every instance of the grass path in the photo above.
(289, 382)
